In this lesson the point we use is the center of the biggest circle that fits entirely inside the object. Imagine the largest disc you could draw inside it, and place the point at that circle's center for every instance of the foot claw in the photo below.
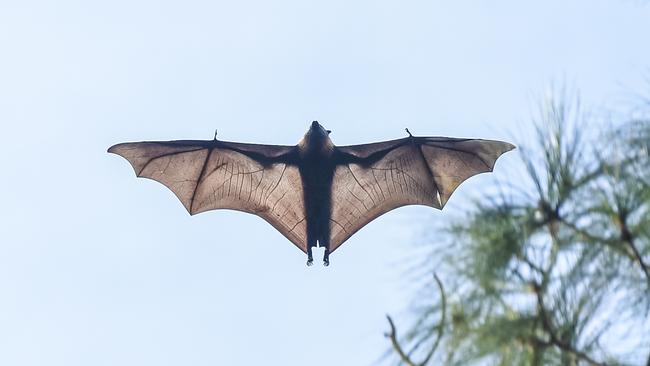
(326, 262)
(310, 262)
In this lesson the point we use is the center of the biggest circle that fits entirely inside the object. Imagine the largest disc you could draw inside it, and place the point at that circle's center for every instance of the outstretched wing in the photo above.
(373, 179)
(209, 175)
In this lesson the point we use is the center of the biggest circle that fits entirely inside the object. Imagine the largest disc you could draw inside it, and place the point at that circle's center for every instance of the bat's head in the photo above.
(317, 138)
(316, 130)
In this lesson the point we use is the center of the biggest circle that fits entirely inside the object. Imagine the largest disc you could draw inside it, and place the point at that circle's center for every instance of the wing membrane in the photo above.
(209, 175)
(412, 171)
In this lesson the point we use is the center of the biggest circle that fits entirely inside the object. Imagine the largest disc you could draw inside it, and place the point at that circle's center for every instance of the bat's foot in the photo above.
(310, 262)
(326, 262)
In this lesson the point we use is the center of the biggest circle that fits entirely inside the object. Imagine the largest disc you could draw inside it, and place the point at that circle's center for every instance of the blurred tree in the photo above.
(554, 267)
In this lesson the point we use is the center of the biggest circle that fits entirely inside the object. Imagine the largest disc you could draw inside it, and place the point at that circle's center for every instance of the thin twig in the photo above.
(393, 332)
(605, 241)
(629, 240)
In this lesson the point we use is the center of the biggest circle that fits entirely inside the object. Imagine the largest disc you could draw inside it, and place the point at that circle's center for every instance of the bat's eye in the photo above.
(329, 131)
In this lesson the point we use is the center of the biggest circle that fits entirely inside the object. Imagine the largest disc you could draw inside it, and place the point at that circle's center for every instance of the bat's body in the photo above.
(314, 193)
(316, 165)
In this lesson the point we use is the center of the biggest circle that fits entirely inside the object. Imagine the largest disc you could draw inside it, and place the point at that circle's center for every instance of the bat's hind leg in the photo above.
(310, 258)
(312, 241)
(326, 257)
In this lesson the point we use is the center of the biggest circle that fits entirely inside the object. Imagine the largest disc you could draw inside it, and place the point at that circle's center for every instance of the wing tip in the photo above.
(115, 149)
(500, 149)
(509, 147)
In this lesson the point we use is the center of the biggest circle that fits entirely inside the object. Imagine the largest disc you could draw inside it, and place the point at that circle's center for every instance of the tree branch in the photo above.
(393, 332)
(629, 240)
(611, 243)
(554, 339)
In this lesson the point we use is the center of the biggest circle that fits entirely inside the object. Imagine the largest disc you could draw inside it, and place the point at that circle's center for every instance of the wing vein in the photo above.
(278, 182)
(433, 180)
(464, 152)
(378, 185)
(341, 226)
(198, 179)
(359, 199)
(165, 155)
(361, 185)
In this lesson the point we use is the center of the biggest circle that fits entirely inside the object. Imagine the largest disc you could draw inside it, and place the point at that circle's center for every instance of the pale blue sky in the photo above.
(100, 268)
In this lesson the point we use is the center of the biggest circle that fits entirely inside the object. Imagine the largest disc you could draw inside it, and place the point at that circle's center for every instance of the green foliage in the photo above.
(554, 269)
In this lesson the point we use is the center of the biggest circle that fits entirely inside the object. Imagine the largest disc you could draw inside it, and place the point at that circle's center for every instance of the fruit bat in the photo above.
(314, 193)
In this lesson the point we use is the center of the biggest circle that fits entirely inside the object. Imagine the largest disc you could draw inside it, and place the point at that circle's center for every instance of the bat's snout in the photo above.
(317, 129)
(315, 124)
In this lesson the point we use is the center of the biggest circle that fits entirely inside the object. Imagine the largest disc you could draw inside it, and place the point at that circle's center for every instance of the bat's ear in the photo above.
(329, 131)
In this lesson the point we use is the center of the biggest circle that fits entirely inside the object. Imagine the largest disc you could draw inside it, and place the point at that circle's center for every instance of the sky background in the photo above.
(100, 268)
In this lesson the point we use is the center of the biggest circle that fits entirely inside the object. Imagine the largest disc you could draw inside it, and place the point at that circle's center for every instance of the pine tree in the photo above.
(553, 268)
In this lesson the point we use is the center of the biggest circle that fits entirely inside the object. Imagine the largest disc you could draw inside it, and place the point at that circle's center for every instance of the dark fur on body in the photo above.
(317, 171)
